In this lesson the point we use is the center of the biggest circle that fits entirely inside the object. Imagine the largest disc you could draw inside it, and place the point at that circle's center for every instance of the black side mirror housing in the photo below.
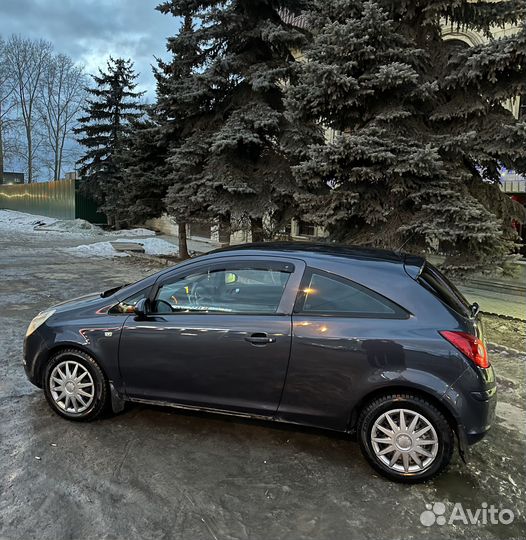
(141, 308)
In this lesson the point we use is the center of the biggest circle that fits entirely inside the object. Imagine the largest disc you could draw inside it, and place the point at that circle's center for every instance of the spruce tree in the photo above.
(421, 131)
(141, 160)
(174, 118)
(144, 158)
(113, 106)
(234, 161)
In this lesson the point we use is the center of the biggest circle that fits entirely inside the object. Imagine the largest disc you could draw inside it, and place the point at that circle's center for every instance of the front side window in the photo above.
(330, 295)
(250, 288)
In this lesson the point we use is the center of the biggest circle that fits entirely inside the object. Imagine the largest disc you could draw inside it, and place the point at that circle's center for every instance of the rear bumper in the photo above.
(473, 398)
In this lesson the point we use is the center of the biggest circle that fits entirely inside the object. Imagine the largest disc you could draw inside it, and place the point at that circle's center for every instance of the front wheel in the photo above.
(75, 386)
(405, 438)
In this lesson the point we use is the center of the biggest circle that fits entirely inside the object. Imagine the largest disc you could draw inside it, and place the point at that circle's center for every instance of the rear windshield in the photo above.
(433, 280)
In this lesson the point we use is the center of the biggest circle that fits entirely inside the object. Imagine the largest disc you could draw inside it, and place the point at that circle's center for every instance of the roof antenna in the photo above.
(406, 242)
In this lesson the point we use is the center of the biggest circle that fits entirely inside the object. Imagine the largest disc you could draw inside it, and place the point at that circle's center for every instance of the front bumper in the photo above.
(35, 352)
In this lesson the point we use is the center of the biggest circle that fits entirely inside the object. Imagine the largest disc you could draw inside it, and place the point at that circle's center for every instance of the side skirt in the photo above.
(222, 412)
(197, 408)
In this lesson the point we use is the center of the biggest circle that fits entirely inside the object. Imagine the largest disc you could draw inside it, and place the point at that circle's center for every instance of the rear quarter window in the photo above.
(326, 294)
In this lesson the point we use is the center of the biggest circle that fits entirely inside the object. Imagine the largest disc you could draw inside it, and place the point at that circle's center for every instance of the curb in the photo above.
(505, 317)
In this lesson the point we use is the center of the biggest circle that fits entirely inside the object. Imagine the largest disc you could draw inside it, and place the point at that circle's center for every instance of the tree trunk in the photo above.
(183, 242)
(56, 167)
(258, 233)
(29, 156)
(110, 221)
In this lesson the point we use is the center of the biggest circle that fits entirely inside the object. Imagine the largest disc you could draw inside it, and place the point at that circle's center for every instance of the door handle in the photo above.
(260, 339)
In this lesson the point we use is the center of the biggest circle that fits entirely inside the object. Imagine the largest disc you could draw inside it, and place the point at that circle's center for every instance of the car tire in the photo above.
(75, 386)
(399, 450)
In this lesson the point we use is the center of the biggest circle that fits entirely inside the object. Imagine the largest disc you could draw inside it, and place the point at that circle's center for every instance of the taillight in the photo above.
(469, 345)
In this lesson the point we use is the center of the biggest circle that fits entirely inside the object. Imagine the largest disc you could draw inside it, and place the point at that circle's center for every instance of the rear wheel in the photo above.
(75, 386)
(405, 438)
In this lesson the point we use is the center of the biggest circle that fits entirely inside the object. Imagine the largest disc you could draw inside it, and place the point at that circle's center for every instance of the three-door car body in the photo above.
(363, 341)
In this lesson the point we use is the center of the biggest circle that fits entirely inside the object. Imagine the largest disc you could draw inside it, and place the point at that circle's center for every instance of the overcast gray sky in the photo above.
(90, 30)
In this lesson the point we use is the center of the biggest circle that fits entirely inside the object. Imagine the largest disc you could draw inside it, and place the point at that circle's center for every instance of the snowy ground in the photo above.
(98, 242)
(151, 472)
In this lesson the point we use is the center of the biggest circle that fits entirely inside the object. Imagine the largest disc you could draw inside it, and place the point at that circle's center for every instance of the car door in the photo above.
(344, 341)
(218, 335)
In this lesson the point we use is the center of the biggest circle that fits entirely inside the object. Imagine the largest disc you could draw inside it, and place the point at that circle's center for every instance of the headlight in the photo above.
(39, 320)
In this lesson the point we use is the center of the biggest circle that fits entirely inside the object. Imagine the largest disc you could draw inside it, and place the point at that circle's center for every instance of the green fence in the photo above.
(61, 200)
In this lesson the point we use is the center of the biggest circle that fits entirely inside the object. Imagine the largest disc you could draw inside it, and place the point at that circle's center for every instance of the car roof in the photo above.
(317, 249)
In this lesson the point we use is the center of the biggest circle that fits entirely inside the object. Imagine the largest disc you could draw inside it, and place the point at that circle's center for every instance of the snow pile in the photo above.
(134, 232)
(100, 249)
(13, 221)
(156, 246)
(75, 226)
(152, 246)
(85, 228)
(18, 221)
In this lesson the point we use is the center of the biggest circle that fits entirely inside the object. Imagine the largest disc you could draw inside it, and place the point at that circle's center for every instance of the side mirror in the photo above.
(141, 308)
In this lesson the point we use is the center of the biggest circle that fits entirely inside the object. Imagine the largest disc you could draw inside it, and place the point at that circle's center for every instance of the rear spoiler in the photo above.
(414, 266)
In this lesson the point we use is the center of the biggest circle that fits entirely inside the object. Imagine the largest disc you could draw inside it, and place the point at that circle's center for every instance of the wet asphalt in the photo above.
(153, 472)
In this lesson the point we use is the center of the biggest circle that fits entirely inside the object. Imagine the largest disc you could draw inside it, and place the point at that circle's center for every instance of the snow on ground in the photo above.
(75, 226)
(87, 233)
(157, 246)
(134, 232)
(18, 221)
(152, 246)
(99, 249)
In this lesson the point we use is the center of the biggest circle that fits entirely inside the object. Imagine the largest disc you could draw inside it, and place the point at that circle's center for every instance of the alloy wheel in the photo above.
(72, 387)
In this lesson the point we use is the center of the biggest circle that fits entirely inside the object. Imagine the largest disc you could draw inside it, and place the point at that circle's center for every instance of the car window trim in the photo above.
(400, 314)
(441, 288)
(146, 290)
(288, 297)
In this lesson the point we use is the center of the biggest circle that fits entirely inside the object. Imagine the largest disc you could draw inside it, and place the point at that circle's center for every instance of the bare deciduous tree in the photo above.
(7, 104)
(27, 62)
(61, 96)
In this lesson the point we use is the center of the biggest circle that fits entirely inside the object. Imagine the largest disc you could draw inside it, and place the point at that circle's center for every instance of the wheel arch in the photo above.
(42, 362)
(438, 403)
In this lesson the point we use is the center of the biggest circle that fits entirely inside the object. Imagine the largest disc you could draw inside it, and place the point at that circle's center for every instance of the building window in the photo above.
(306, 229)
(522, 107)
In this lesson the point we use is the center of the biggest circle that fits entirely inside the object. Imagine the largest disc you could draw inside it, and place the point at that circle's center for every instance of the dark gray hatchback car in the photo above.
(368, 342)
